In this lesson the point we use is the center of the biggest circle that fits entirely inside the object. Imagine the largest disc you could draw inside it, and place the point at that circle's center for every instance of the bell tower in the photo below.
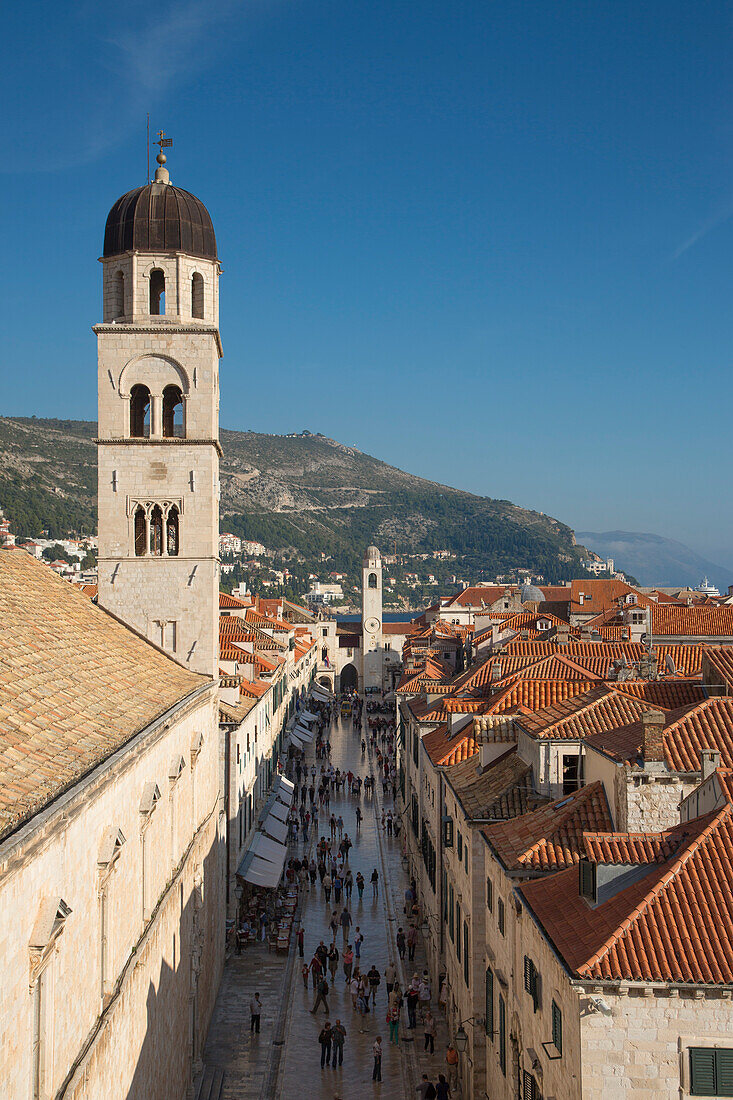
(158, 434)
(371, 617)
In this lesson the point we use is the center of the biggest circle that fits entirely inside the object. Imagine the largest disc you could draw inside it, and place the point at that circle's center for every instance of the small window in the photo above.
(372, 580)
(489, 895)
(711, 1071)
(157, 293)
(458, 931)
(169, 639)
(451, 916)
(529, 1087)
(500, 915)
(140, 412)
(141, 541)
(532, 981)
(171, 528)
(556, 1027)
(156, 531)
(587, 880)
(172, 412)
(466, 955)
(459, 846)
(490, 1004)
(197, 295)
(447, 832)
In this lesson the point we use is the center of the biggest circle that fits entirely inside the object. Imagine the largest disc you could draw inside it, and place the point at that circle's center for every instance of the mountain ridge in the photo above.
(305, 492)
(654, 559)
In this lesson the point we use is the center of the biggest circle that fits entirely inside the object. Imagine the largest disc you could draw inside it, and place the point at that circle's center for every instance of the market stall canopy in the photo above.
(275, 827)
(260, 872)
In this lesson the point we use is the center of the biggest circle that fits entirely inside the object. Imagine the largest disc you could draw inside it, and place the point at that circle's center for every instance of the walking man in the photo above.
(451, 1061)
(389, 977)
(325, 1040)
(301, 941)
(358, 941)
(374, 980)
(321, 996)
(411, 942)
(429, 1025)
(375, 886)
(345, 922)
(401, 944)
(338, 1036)
(255, 1008)
(377, 1052)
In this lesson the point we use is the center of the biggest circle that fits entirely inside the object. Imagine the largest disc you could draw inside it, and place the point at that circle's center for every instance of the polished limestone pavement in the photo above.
(284, 1061)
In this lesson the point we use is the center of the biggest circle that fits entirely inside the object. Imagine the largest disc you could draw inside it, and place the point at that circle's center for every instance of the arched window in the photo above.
(197, 295)
(171, 527)
(157, 293)
(140, 533)
(118, 304)
(140, 412)
(372, 581)
(172, 412)
(156, 531)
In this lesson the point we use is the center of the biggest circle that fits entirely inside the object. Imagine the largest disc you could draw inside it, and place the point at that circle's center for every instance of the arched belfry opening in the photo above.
(172, 529)
(197, 295)
(172, 412)
(372, 580)
(141, 532)
(157, 293)
(140, 412)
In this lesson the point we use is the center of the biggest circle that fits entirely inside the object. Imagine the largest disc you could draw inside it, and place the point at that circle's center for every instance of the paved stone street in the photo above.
(284, 1060)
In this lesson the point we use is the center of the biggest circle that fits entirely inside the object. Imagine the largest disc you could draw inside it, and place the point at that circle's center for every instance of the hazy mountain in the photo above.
(306, 492)
(655, 560)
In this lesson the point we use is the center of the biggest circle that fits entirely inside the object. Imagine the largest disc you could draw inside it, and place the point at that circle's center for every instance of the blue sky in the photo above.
(487, 242)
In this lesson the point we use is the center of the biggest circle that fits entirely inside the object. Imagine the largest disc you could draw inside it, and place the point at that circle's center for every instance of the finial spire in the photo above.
(161, 173)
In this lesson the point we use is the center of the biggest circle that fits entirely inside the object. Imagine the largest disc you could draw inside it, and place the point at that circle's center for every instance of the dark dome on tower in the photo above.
(159, 218)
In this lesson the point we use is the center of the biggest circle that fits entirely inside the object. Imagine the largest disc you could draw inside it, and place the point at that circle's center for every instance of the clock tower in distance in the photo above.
(371, 617)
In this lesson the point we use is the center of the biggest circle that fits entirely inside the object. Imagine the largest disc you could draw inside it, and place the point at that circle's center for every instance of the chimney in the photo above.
(709, 762)
(652, 746)
(494, 734)
(562, 634)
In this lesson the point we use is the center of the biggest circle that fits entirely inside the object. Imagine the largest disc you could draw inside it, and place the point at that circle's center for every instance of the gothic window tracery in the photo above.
(156, 527)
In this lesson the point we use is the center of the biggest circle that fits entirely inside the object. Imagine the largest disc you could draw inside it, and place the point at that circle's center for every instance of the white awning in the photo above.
(319, 691)
(296, 740)
(303, 733)
(259, 872)
(274, 827)
(266, 848)
(284, 790)
(307, 716)
(279, 811)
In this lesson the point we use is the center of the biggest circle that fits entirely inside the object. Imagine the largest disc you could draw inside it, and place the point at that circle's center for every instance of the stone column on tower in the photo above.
(371, 618)
(158, 437)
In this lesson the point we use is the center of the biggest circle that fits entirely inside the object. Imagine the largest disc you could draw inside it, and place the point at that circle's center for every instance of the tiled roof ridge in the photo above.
(680, 858)
(575, 803)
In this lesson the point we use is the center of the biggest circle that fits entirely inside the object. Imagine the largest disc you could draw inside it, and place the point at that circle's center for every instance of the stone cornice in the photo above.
(105, 328)
(166, 441)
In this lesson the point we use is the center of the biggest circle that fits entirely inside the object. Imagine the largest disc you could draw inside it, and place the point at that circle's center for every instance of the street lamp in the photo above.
(461, 1039)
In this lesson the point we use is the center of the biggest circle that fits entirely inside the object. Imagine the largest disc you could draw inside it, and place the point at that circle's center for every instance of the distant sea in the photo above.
(388, 617)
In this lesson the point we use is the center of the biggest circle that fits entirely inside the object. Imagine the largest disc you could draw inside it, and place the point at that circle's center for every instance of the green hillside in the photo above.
(307, 493)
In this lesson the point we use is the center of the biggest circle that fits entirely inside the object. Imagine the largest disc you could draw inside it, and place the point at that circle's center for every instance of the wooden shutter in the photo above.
(490, 1004)
(489, 895)
(556, 1027)
(528, 1086)
(502, 1035)
(702, 1071)
(724, 1072)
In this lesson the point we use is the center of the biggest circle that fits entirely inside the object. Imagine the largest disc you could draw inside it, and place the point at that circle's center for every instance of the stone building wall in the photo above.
(149, 963)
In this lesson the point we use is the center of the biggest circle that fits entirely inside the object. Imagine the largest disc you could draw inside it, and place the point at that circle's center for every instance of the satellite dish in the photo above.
(670, 665)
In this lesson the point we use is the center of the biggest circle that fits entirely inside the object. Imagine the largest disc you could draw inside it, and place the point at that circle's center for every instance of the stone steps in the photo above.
(210, 1084)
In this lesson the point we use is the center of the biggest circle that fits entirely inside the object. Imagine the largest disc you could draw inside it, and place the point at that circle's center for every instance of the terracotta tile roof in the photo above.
(599, 594)
(502, 790)
(666, 694)
(530, 695)
(687, 657)
(231, 603)
(229, 712)
(89, 590)
(720, 658)
(555, 593)
(398, 628)
(693, 621)
(232, 626)
(254, 688)
(636, 848)
(705, 725)
(446, 748)
(674, 924)
(594, 711)
(75, 685)
(442, 709)
(473, 596)
(550, 837)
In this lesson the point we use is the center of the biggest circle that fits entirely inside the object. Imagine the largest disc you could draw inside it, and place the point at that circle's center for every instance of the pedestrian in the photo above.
(316, 970)
(377, 1052)
(338, 1033)
(412, 999)
(429, 1026)
(325, 1040)
(358, 941)
(451, 1061)
(395, 997)
(354, 991)
(358, 818)
(424, 994)
(312, 872)
(348, 958)
(375, 882)
(374, 980)
(442, 1089)
(401, 943)
(360, 884)
(345, 922)
(327, 882)
(333, 962)
(333, 924)
(255, 1009)
(426, 1089)
(322, 952)
(301, 941)
(393, 1019)
(411, 942)
(389, 977)
(305, 970)
(321, 997)
(348, 884)
(337, 885)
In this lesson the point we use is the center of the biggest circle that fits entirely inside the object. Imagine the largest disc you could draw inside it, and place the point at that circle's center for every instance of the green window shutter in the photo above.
(724, 1072)
(490, 1004)
(466, 956)
(458, 930)
(500, 915)
(557, 1027)
(489, 895)
(702, 1071)
(502, 1035)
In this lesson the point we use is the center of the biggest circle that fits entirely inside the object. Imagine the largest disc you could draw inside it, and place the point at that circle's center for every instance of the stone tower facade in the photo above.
(158, 383)
(371, 617)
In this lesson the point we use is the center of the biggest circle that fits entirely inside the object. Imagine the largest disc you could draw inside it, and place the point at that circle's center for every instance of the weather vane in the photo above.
(164, 143)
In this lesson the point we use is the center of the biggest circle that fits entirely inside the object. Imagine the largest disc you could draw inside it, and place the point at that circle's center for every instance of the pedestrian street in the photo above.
(285, 1059)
